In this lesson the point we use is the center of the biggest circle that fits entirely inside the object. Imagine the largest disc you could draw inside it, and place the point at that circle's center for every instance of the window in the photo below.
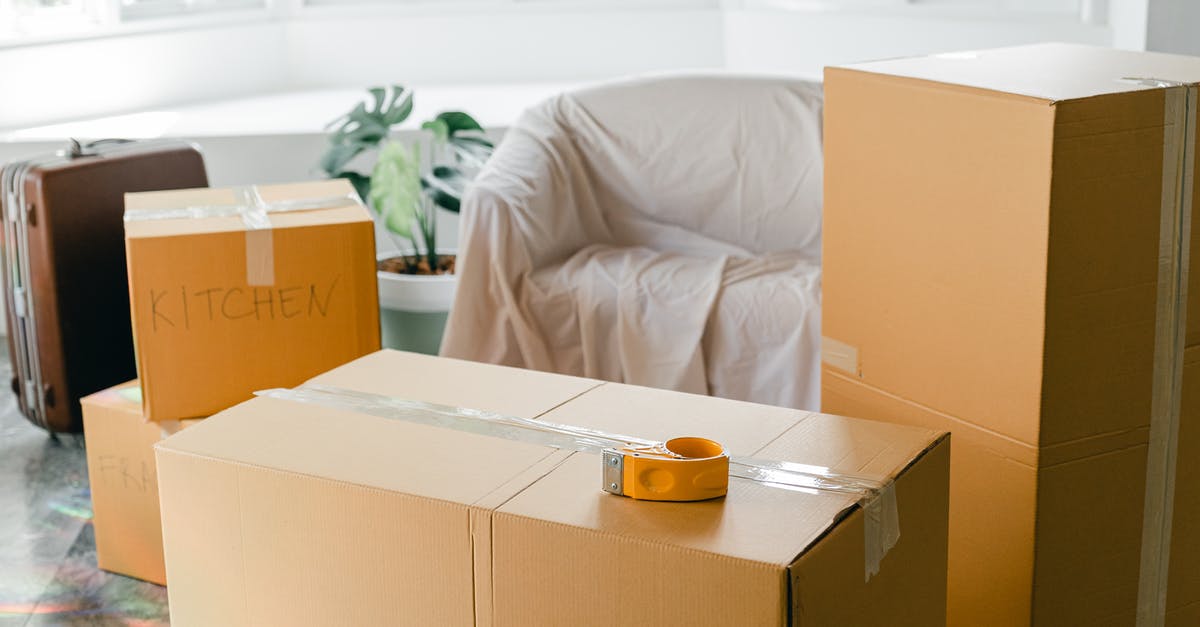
(142, 9)
(949, 7)
(35, 18)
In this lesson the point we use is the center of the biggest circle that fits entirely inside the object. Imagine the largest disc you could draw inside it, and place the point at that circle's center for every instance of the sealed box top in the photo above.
(540, 501)
(1051, 72)
(331, 201)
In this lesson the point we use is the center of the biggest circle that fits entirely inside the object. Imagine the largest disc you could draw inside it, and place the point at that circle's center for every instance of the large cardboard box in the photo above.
(221, 309)
(120, 458)
(1005, 258)
(356, 519)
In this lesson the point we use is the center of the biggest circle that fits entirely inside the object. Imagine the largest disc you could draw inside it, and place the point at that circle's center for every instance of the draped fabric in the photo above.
(662, 232)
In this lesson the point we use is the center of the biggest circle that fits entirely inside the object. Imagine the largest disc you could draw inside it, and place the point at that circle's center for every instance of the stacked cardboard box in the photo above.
(281, 512)
(124, 482)
(222, 307)
(232, 290)
(1005, 257)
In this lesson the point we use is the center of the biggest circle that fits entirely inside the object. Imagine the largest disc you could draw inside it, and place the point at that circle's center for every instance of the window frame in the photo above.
(111, 19)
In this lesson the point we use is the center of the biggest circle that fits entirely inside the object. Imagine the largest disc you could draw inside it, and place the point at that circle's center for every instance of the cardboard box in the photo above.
(221, 310)
(120, 458)
(364, 520)
(991, 267)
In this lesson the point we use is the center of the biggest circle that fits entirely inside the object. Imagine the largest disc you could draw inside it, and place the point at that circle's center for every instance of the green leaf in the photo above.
(471, 154)
(457, 122)
(439, 128)
(399, 107)
(338, 155)
(473, 140)
(370, 125)
(396, 187)
(447, 186)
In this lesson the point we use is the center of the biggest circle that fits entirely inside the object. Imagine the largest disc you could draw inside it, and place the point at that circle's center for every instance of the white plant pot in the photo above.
(416, 293)
(414, 308)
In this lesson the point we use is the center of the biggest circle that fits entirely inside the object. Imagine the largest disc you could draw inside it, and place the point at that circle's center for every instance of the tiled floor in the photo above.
(48, 573)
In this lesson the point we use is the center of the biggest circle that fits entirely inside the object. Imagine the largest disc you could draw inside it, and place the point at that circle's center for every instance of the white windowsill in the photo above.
(293, 113)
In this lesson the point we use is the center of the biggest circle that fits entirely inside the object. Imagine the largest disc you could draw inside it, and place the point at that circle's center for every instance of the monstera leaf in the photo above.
(449, 124)
(470, 149)
(367, 124)
(446, 186)
(396, 187)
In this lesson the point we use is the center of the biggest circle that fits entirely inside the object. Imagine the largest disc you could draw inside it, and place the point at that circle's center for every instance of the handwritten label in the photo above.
(134, 475)
(184, 307)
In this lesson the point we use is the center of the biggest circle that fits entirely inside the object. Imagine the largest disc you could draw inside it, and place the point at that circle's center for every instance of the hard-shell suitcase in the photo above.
(65, 288)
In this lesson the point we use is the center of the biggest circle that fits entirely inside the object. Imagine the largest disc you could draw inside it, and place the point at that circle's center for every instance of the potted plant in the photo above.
(405, 190)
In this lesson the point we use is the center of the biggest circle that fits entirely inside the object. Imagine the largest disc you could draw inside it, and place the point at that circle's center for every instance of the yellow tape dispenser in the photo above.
(680, 469)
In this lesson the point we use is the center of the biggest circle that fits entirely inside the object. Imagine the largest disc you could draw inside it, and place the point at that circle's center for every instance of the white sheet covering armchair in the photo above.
(662, 231)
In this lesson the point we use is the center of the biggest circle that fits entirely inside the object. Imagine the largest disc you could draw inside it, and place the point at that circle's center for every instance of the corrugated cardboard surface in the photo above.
(993, 492)
(999, 272)
(1183, 581)
(898, 259)
(319, 516)
(124, 484)
(206, 339)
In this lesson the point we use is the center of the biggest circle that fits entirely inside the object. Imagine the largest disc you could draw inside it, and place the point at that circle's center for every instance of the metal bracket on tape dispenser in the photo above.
(680, 469)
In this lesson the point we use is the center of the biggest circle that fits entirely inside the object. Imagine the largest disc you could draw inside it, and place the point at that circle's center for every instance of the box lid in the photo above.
(542, 482)
(1052, 71)
(343, 206)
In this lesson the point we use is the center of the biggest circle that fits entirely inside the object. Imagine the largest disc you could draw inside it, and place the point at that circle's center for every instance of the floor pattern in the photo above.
(48, 573)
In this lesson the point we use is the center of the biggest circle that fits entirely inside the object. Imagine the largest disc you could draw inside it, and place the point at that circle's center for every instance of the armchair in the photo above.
(661, 231)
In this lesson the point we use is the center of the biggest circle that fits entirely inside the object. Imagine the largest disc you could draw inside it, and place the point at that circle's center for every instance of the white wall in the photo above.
(368, 44)
(498, 47)
(805, 42)
(92, 77)
(1174, 26)
(1128, 19)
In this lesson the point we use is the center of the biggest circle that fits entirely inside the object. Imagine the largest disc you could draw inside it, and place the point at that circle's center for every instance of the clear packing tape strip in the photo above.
(877, 498)
(253, 210)
(1178, 167)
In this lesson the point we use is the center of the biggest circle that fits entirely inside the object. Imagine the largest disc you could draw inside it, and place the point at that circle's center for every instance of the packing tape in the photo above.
(254, 212)
(1179, 162)
(876, 497)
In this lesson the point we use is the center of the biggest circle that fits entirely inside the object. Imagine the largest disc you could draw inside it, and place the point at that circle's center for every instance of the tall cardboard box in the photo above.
(1006, 258)
(236, 290)
(360, 519)
(124, 482)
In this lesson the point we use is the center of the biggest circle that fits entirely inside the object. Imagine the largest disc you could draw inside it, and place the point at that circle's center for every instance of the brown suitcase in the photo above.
(65, 287)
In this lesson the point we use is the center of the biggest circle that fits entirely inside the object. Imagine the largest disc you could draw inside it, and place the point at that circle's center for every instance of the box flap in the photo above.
(359, 449)
(455, 382)
(340, 210)
(743, 428)
(1052, 71)
(745, 524)
(851, 445)
(390, 454)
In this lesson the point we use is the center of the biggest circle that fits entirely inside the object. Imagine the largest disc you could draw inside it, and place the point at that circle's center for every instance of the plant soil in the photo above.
(409, 264)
